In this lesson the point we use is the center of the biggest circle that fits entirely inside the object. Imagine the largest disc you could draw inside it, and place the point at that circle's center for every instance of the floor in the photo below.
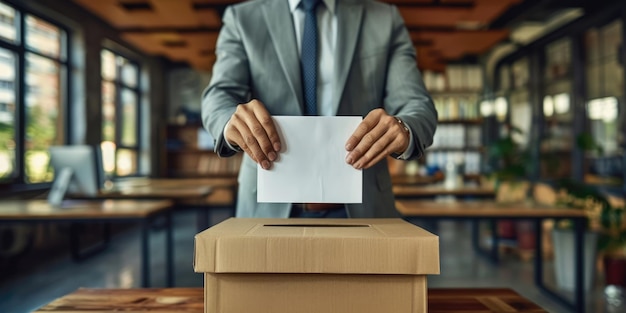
(38, 279)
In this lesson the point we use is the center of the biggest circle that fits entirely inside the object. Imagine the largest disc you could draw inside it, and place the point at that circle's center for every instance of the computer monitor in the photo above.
(78, 169)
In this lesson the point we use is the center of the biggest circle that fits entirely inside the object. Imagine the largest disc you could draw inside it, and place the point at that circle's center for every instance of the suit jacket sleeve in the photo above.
(405, 93)
(229, 84)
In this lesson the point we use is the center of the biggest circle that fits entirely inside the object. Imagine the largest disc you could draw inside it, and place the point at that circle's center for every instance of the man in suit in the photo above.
(317, 57)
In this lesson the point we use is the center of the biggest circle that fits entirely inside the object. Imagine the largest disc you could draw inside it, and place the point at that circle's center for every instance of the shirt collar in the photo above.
(330, 4)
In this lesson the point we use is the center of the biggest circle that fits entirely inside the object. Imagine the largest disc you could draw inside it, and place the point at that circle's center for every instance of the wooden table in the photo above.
(431, 191)
(227, 181)
(200, 193)
(190, 300)
(150, 192)
(490, 210)
(95, 211)
(414, 180)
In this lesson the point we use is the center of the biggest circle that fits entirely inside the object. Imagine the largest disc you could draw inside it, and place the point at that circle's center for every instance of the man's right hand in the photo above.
(251, 128)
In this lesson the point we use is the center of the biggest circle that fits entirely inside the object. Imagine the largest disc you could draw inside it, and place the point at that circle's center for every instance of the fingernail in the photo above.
(277, 147)
(349, 159)
(357, 166)
(349, 146)
(265, 165)
(272, 156)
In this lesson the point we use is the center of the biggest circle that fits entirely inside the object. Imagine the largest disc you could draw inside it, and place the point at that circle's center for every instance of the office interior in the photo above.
(530, 96)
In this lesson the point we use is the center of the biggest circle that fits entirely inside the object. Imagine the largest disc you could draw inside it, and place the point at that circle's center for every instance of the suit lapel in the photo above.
(349, 16)
(284, 39)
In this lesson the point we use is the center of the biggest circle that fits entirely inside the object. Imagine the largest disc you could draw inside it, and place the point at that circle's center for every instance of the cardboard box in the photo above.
(315, 265)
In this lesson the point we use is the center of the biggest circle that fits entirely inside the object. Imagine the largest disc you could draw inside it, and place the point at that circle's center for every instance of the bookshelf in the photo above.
(189, 153)
(456, 94)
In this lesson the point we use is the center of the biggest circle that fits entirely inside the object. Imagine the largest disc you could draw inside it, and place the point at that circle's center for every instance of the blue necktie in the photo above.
(308, 58)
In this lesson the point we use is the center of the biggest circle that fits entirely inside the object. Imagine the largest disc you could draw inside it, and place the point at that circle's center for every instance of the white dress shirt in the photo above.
(327, 37)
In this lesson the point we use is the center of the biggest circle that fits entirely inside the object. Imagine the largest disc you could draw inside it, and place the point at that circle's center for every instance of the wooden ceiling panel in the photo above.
(457, 1)
(428, 60)
(151, 43)
(187, 30)
(432, 17)
(481, 13)
(194, 48)
(162, 14)
(209, 18)
(201, 41)
(455, 45)
(175, 14)
(111, 11)
(409, 2)
(216, 2)
(490, 9)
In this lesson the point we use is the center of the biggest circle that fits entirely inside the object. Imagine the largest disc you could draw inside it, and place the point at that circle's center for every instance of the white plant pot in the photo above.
(564, 261)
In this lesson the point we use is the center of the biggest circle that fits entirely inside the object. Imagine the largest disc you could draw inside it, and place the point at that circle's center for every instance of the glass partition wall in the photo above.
(557, 137)
(521, 109)
(604, 103)
(120, 114)
(568, 90)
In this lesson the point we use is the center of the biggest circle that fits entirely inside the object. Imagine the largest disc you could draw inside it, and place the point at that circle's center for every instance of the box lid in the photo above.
(365, 246)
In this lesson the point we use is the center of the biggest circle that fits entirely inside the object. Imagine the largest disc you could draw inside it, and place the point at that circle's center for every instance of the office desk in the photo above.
(179, 191)
(151, 190)
(201, 193)
(164, 182)
(228, 181)
(489, 210)
(190, 300)
(414, 180)
(95, 211)
(431, 191)
(217, 185)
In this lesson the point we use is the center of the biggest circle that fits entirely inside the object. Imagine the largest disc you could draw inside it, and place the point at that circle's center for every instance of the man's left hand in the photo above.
(378, 136)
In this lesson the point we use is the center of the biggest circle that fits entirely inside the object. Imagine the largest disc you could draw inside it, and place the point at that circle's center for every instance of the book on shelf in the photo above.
(469, 161)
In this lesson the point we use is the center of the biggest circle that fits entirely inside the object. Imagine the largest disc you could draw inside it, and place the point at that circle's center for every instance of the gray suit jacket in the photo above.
(257, 58)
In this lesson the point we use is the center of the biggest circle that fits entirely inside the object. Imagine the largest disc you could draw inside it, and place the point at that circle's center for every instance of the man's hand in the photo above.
(378, 136)
(251, 128)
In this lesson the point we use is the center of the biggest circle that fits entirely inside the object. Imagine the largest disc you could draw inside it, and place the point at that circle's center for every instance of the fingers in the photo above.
(252, 129)
(378, 136)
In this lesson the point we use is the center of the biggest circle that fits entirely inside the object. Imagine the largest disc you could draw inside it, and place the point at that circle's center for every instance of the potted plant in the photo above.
(510, 163)
(612, 245)
(575, 195)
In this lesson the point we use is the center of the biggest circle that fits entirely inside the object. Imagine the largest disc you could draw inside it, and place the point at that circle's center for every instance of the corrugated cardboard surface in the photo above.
(316, 265)
(339, 246)
(314, 293)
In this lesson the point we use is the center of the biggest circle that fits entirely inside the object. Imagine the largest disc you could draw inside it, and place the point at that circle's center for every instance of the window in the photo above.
(558, 117)
(521, 74)
(519, 106)
(558, 56)
(605, 80)
(33, 59)
(120, 114)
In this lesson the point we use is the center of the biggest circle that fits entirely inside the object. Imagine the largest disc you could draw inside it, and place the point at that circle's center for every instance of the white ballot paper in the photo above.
(311, 167)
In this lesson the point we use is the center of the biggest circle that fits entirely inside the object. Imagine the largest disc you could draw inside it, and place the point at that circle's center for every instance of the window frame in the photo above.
(119, 87)
(20, 50)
